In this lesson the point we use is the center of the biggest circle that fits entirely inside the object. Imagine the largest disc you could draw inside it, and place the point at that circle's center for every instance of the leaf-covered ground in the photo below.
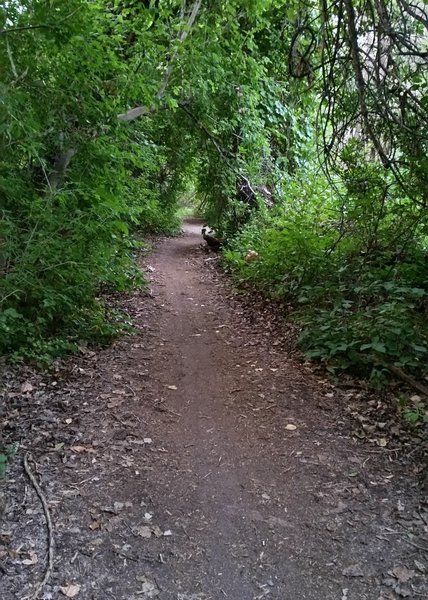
(200, 459)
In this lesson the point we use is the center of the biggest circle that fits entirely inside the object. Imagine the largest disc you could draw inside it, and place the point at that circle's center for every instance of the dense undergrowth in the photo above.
(362, 304)
(67, 233)
(301, 129)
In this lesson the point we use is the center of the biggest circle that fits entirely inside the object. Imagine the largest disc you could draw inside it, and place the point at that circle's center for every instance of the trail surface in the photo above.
(198, 461)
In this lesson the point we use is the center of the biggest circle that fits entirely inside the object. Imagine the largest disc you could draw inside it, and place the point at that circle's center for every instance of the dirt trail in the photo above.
(179, 479)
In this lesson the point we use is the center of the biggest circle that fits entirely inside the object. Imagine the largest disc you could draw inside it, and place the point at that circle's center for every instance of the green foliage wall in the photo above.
(66, 234)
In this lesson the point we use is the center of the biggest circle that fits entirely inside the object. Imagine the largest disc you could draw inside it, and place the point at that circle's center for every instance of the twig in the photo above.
(120, 420)
(408, 379)
(14, 29)
(383, 451)
(43, 500)
(130, 388)
(424, 548)
(162, 408)
(140, 557)
(423, 389)
(224, 153)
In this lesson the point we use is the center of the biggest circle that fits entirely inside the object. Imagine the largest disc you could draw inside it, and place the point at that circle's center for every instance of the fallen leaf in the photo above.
(403, 574)
(26, 387)
(70, 590)
(32, 560)
(5, 537)
(353, 571)
(78, 449)
(144, 531)
(115, 403)
(290, 427)
(148, 588)
(112, 523)
(402, 591)
(157, 531)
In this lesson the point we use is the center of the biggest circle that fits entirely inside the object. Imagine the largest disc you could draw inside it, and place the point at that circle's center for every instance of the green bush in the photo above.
(67, 237)
(360, 295)
(369, 334)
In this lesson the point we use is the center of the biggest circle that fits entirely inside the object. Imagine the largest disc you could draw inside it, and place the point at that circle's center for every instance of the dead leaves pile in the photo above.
(399, 580)
(377, 419)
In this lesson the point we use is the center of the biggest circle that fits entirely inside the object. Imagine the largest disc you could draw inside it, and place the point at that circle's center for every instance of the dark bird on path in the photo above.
(213, 242)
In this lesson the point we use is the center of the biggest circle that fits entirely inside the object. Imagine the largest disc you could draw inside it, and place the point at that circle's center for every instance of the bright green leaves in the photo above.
(62, 246)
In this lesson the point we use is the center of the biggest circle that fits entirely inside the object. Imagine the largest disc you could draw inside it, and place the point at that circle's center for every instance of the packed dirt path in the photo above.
(197, 460)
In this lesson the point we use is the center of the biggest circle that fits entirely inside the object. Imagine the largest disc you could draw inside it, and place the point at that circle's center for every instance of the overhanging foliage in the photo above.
(301, 126)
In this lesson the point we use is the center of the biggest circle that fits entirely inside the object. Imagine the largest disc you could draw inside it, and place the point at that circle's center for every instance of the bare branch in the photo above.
(417, 12)
(10, 56)
(27, 28)
(359, 81)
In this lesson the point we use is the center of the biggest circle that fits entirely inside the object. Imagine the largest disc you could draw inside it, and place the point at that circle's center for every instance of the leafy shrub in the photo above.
(369, 336)
(291, 241)
(361, 296)
(67, 238)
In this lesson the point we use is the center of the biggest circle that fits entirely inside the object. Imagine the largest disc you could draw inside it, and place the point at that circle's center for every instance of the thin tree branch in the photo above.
(138, 111)
(359, 81)
(10, 56)
(27, 28)
(222, 151)
(421, 16)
